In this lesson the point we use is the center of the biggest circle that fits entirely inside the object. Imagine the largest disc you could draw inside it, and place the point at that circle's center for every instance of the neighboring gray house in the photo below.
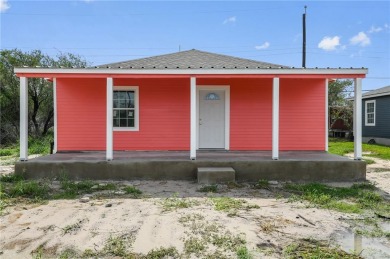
(376, 116)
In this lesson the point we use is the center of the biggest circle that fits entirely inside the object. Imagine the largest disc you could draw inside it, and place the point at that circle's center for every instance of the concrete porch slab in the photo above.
(176, 165)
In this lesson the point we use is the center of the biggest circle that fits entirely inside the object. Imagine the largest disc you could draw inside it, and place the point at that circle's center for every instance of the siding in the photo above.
(81, 114)
(164, 122)
(302, 114)
(382, 118)
(250, 112)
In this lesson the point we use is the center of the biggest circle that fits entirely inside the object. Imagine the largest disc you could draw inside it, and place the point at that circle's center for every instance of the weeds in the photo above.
(29, 189)
(209, 188)
(174, 202)
(307, 249)
(117, 246)
(243, 253)
(194, 246)
(136, 193)
(162, 252)
(354, 199)
(262, 184)
(231, 205)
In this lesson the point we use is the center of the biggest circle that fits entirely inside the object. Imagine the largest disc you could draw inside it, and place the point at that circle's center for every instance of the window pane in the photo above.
(123, 123)
(115, 114)
(122, 114)
(130, 114)
(131, 123)
(116, 123)
(115, 95)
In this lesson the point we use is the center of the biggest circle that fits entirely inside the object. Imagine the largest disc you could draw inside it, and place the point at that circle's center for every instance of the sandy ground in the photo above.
(146, 225)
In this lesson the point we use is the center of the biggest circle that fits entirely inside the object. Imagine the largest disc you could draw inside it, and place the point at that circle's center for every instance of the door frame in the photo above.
(226, 88)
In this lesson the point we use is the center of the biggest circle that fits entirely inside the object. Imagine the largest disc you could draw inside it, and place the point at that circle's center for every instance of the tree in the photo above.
(40, 92)
(340, 108)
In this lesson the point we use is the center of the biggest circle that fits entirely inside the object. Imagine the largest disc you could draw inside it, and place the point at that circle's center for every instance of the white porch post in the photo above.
(23, 119)
(275, 119)
(357, 119)
(193, 118)
(55, 113)
(109, 137)
(326, 115)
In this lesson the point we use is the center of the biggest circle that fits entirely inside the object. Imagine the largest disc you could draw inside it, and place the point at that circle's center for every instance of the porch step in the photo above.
(211, 175)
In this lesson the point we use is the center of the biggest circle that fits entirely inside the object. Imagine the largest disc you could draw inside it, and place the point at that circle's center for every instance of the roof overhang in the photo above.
(266, 72)
(375, 95)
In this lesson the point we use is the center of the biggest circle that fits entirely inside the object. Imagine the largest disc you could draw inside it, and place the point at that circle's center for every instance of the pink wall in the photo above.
(81, 114)
(165, 107)
(164, 116)
(302, 114)
(250, 112)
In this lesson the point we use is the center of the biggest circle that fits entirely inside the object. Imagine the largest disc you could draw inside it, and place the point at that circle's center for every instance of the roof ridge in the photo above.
(192, 58)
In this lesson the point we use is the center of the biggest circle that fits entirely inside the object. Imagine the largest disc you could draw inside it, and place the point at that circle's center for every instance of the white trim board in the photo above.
(227, 111)
(227, 71)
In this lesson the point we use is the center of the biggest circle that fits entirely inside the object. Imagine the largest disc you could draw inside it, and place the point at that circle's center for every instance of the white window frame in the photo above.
(136, 107)
(365, 113)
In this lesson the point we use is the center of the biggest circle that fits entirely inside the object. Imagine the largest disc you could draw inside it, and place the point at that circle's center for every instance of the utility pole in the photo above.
(304, 39)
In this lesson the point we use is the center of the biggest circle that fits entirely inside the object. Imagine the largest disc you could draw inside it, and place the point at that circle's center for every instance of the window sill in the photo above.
(125, 129)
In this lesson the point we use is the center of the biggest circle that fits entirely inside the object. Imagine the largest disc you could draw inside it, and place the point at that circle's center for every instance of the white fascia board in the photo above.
(266, 71)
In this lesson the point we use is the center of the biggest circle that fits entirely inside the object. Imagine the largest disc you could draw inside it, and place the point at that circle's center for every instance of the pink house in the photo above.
(190, 101)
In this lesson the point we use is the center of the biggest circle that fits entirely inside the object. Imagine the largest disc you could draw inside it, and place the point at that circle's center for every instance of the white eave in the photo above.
(226, 71)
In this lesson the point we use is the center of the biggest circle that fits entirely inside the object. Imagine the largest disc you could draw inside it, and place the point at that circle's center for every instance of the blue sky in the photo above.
(339, 33)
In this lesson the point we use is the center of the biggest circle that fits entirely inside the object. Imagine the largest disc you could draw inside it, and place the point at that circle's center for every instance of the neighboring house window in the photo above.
(125, 108)
(370, 113)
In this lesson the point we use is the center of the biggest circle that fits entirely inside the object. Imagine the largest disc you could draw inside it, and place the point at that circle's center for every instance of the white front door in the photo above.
(212, 118)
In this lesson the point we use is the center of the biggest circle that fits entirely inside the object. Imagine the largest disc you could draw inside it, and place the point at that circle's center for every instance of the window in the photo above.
(370, 113)
(125, 108)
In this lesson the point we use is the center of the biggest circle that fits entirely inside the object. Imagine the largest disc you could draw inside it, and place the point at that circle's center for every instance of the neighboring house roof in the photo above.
(376, 93)
(191, 59)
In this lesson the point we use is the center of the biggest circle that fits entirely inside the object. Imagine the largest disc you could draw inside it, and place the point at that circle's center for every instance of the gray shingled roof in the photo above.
(191, 59)
(378, 92)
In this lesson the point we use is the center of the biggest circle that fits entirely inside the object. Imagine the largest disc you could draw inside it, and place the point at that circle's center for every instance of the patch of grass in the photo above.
(8, 152)
(342, 147)
(71, 189)
(69, 253)
(308, 249)
(71, 228)
(116, 246)
(228, 204)
(351, 200)
(29, 189)
(262, 184)
(194, 246)
(174, 202)
(136, 193)
(170, 252)
(227, 241)
(11, 178)
(209, 188)
(243, 253)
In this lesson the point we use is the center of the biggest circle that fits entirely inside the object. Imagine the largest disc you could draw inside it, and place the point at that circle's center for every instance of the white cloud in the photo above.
(4, 6)
(360, 39)
(329, 43)
(374, 29)
(232, 19)
(265, 45)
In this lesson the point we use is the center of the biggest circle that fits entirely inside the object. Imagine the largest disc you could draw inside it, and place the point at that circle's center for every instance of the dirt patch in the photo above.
(175, 216)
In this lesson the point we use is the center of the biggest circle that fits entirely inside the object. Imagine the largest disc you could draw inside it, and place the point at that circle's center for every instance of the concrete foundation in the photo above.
(212, 175)
(172, 165)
